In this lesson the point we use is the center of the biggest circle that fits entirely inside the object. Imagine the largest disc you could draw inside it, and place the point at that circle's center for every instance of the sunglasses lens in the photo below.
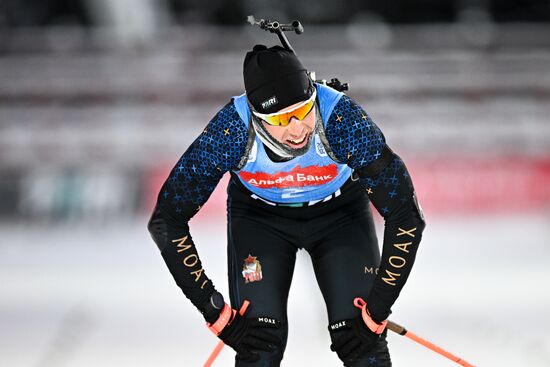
(283, 119)
(277, 120)
(302, 112)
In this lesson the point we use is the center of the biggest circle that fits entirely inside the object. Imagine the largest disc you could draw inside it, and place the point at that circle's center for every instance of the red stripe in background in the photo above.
(500, 184)
(445, 185)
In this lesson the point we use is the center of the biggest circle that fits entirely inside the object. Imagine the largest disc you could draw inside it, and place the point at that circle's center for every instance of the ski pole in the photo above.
(396, 328)
(220, 344)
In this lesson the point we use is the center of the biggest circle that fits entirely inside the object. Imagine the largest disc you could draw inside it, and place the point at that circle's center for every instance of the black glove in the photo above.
(240, 333)
(248, 334)
(355, 337)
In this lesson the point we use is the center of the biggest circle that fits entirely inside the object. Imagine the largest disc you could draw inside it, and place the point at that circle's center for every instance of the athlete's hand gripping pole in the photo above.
(220, 344)
(396, 328)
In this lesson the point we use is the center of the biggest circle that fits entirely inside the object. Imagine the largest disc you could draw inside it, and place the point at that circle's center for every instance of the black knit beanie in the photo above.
(274, 78)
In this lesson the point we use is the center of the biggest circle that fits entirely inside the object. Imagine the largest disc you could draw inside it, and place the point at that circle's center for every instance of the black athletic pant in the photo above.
(339, 236)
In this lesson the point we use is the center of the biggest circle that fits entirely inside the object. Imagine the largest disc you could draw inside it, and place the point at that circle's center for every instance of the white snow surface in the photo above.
(100, 295)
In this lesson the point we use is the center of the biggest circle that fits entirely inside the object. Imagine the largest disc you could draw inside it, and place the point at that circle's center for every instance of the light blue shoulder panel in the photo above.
(241, 105)
(328, 98)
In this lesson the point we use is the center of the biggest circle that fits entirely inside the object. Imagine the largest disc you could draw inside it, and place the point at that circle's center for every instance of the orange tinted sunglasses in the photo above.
(283, 118)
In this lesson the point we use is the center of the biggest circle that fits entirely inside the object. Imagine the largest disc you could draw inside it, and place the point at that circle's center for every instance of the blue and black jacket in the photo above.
(347, 145)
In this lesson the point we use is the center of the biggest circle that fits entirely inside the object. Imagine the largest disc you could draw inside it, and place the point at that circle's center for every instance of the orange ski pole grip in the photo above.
(396, 328)
(220, 344)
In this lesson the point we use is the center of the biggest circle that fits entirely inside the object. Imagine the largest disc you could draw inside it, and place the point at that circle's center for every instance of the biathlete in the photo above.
(305, 161)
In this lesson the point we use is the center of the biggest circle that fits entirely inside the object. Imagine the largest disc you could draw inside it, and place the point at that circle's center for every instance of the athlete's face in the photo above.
(297, 133)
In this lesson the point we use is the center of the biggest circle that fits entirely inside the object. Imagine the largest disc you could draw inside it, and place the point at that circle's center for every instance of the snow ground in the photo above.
(100, 295)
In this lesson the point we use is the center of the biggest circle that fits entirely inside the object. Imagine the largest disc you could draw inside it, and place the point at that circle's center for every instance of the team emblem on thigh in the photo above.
(252, 269)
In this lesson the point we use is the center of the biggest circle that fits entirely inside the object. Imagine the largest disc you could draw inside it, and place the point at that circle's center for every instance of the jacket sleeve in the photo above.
(356, 140)
(218, 149)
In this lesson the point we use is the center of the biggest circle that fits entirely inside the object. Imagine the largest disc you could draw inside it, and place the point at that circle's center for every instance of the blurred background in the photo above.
(99, 98)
